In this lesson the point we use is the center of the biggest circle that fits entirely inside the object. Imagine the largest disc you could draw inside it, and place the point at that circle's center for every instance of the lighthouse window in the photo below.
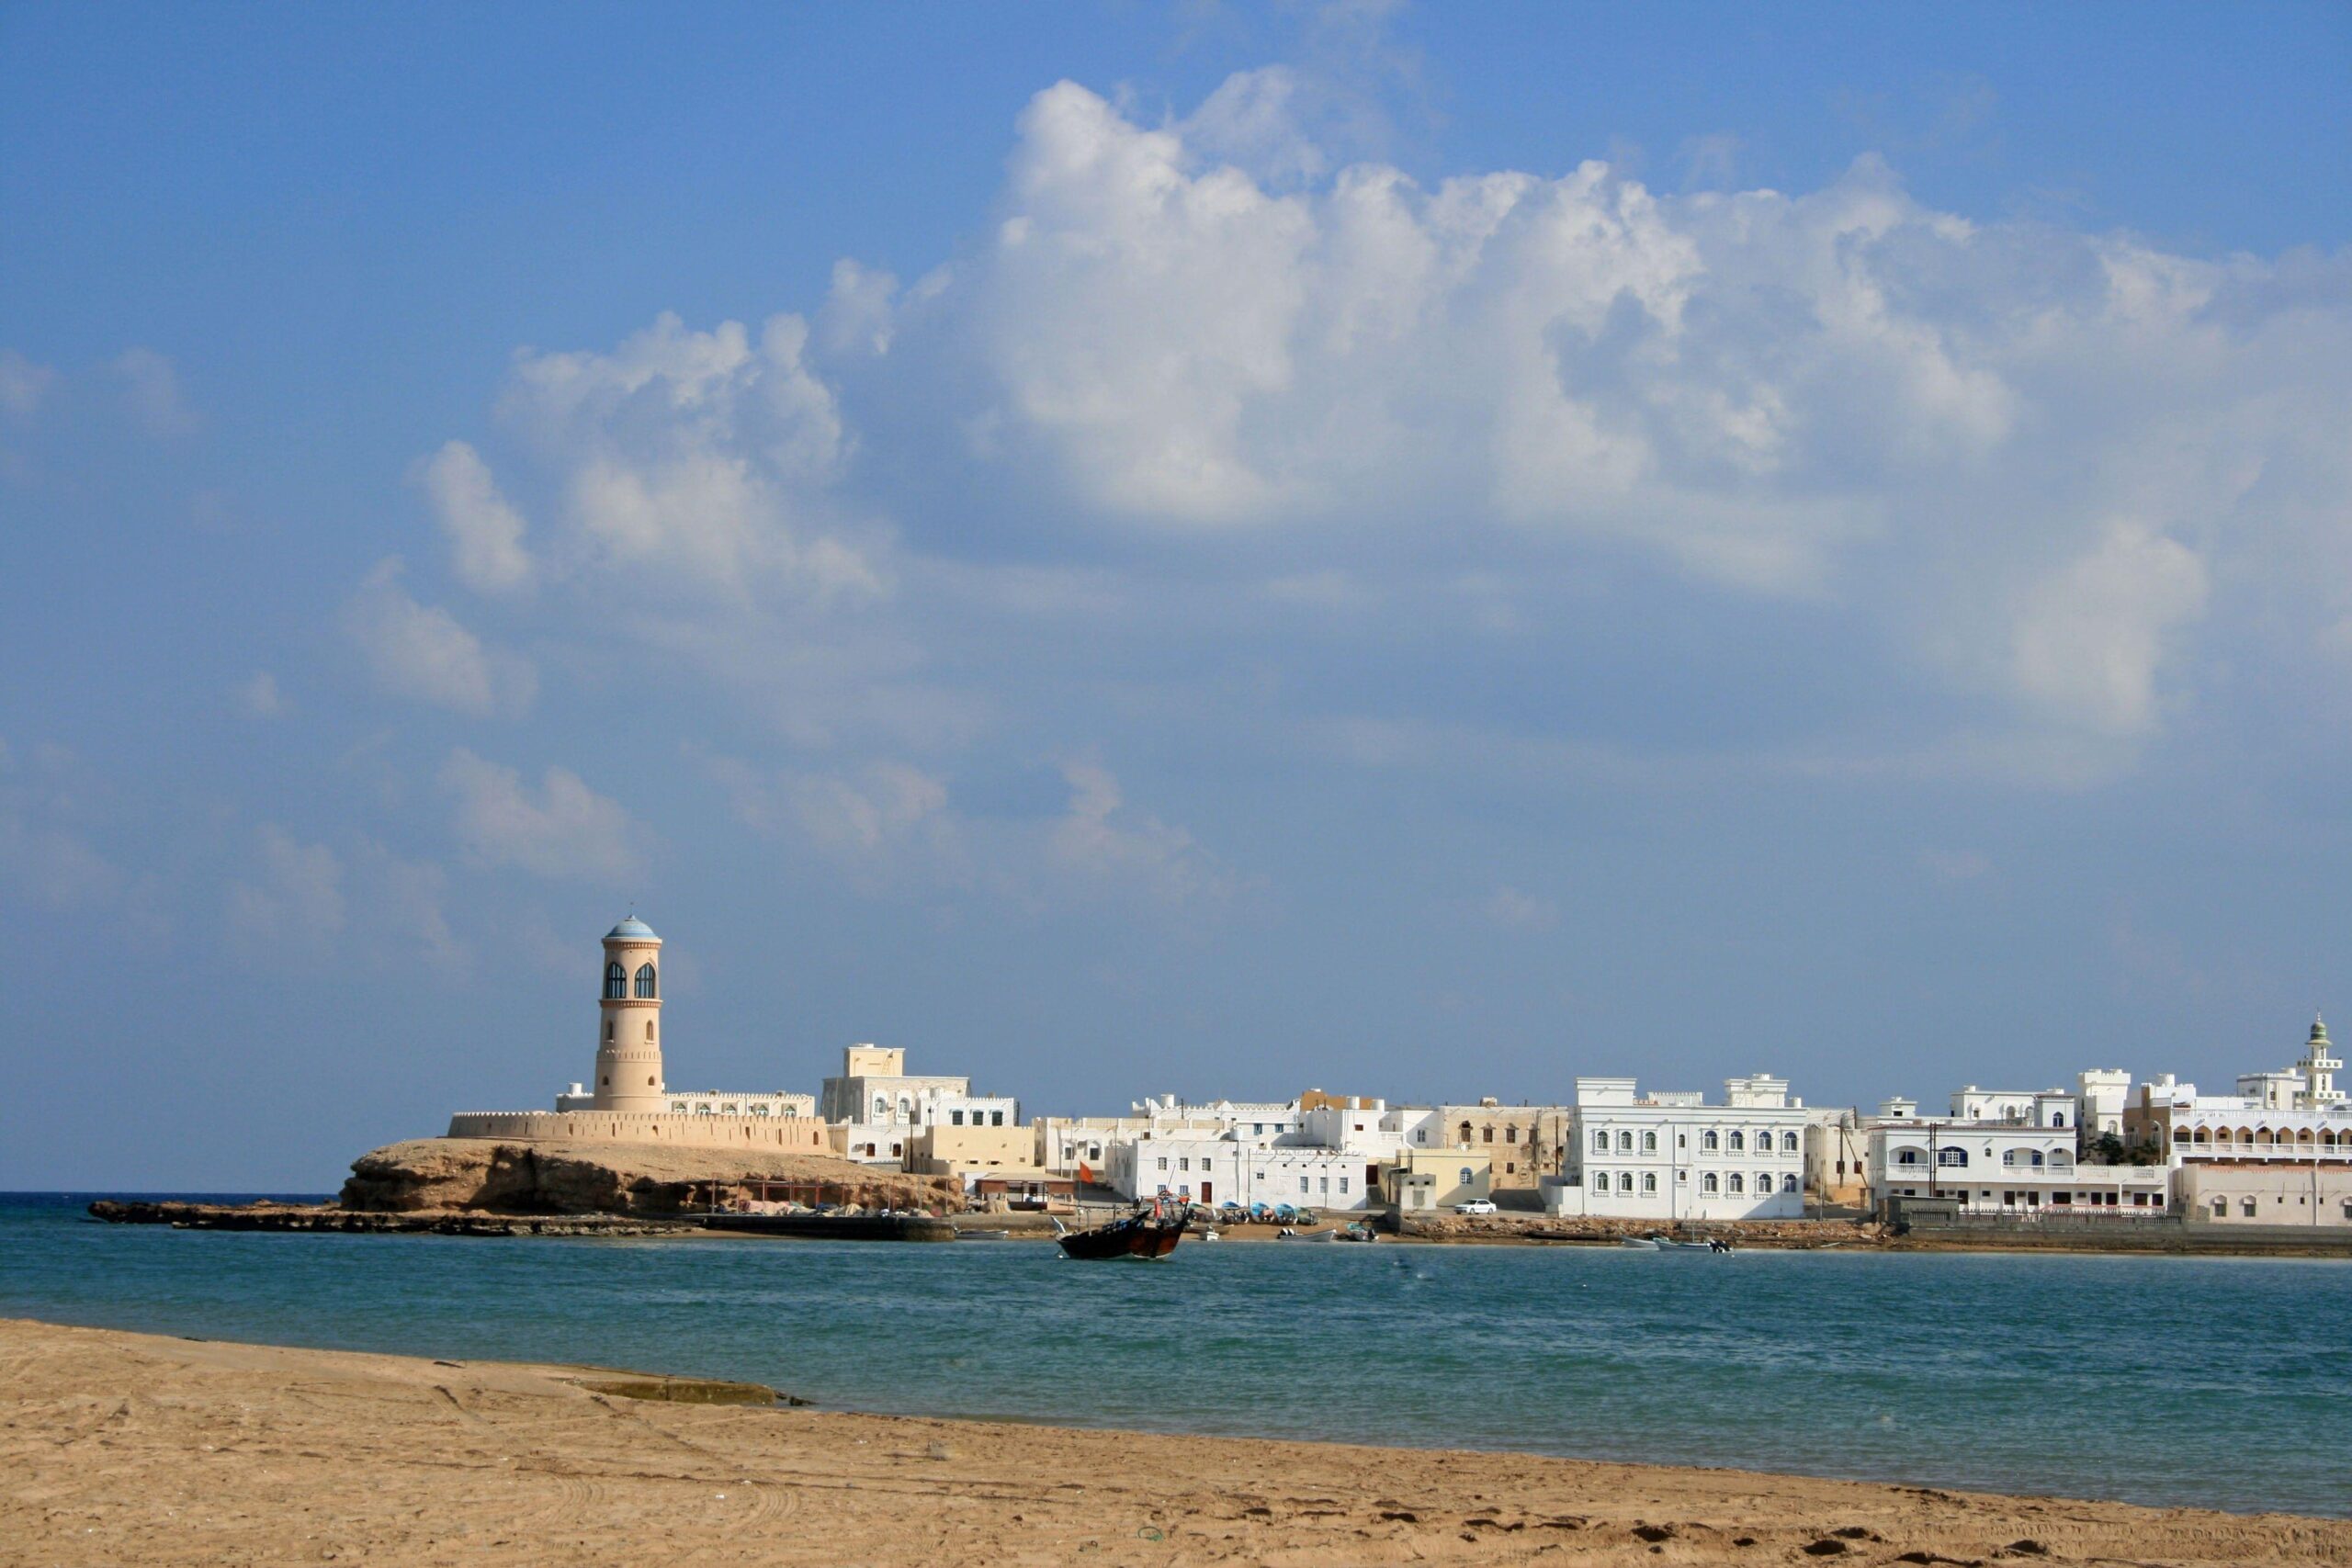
(645, 979)
(616, 982)
(648, 1029)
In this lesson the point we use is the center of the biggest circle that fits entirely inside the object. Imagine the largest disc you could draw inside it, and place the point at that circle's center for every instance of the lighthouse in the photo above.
(628, 1045)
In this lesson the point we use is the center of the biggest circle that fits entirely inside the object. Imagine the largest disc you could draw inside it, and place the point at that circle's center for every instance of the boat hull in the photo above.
(1142, 1238)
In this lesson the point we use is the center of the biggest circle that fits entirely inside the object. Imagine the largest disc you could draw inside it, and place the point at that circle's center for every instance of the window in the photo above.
(1788, 1143)
(648, 1029)
(2246, 1208)
(1163, 1162)
(1343, 1185)
(1738, 1183)
(1600, 1142)
(1710, 1140)
(1707, 1184)
(1649, 1182)
(1624, 1181)
(881, 1108)
(1182, 1163)
(1467, 1179)
(645, 979)
(1649, 1143)
(1907, 1156)
(1489, 1134)
(1420, 1134)
(955, 1119)
(1949, 1156)
(1738, 1142)
(1788, 1184)
(616, 981)
(996, 1118)
(608, 1029)
(1624, 1143)
(1302, 1184)
(1510, 1135)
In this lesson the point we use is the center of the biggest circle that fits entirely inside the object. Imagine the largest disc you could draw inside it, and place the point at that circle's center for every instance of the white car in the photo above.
(1475, 1206)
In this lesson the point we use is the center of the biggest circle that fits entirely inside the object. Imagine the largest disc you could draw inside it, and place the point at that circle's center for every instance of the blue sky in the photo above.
(1125, 549)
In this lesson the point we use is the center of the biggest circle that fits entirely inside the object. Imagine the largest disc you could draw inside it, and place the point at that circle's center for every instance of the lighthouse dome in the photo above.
(631, 929)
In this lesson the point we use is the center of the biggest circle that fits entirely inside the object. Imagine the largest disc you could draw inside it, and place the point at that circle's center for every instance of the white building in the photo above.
(2173, 1119)
(2030, 1108)
(1669, 1157)
(2100, 1095)
(1222, 1168)
(876, 1105)
(2003, 1165)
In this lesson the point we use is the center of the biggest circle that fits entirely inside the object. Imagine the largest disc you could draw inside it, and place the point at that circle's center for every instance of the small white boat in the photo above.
(1286, 1233)
(1211, 1236)
(983, 1235)
(1638, 1242)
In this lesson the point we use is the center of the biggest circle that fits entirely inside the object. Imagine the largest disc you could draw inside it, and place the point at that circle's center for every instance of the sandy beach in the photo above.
(136, 1449)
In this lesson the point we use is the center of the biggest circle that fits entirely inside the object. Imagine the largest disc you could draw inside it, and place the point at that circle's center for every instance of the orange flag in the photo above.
(1085, 1175)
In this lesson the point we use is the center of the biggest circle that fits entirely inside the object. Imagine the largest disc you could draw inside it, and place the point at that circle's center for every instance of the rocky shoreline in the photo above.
(327, 1217)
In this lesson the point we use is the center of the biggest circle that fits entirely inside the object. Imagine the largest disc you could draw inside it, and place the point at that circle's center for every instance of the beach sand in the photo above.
(127, 1449)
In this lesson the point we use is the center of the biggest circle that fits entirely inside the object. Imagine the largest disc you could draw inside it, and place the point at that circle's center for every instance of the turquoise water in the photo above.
(2220, 1382)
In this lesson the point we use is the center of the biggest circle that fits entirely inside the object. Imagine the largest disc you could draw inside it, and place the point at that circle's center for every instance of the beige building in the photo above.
(944, 1149)
(1432, 1180)
(1524, 1143)
(628, 1101)
(2265, 1192)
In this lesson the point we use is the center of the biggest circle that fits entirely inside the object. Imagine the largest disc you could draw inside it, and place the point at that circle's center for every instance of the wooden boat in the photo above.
(1147, 1234)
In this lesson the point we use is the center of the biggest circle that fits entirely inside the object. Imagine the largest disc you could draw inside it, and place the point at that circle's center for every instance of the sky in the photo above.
(1414, 550)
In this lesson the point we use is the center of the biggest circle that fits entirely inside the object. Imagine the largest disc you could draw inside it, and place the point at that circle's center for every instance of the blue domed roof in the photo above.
(631, 929)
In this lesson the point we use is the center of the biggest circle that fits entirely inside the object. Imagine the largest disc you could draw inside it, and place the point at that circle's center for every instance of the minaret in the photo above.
(2319, 1068)
(629, 1047)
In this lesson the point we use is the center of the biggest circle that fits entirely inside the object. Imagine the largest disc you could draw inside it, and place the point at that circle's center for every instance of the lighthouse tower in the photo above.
(629, 1047)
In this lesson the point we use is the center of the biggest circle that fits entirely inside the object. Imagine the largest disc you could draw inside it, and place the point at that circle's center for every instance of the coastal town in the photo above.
(2112, 1149)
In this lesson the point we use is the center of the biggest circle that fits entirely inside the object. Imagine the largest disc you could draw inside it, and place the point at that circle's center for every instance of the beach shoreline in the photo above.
(124, 1448)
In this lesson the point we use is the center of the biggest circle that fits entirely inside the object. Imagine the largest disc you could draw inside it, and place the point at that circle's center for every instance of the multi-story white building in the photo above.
(875, 1105)
(2171, 1119)
(1222, 1168)
(2030, 1108)
(2000, 1165)
(2100, 1095)
(1671, 1157)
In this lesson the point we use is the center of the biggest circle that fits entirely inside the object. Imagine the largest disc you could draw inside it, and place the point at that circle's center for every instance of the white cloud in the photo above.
(865, 814)
(2090, 639)
(295, 904)
(1508, 909)
(564, 829)
(403, 921)
(1106, 844)
(23, 383)
(421, 652)
(484, 531)
(151, 389)
(260, 697)
(697, 456)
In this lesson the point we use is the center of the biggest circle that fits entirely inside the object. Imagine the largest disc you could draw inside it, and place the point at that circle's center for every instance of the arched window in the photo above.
(648, 1029)
(1624, 1143)
(1788, 1184)
(1649, 1143)
(1738, 1183)
(1710, 1140)
(1649, 1181)
(881, 1108)
(2057, 1119)
(2221, 1208)
(1624, 1181)
(608, 1031)
(645, 979)
(616, 981)
(1600, 1142)
(1949, 1156)
(1788, 1143)
(1466, 1178)
(1738, 1142)
(1464, 1139)
(1510, 1135)
(1907, 1156)
(1707, 1184)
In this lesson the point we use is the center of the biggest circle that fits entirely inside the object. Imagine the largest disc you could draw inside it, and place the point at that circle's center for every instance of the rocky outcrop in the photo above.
(483, 1174)
(268, 1216)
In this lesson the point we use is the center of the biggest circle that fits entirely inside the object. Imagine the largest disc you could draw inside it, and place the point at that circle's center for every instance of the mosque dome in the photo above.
(631, 929)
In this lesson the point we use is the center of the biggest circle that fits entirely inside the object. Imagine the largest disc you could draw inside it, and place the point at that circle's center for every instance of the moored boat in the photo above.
(1638, 1242)
(1147, 1234)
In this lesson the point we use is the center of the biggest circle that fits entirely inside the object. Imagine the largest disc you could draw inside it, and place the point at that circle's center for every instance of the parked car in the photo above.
(1475, 1206)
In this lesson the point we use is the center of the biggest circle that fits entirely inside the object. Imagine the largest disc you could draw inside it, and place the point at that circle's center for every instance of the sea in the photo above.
(2219, 1383)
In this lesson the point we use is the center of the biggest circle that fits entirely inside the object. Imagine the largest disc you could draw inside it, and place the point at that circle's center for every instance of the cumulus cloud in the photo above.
(2089, 640)
(151, 390)
(1106, 844)
(485, 533)
(23, 383)
(696, 455)
(422, 653)
(562, 829)
(294, 901)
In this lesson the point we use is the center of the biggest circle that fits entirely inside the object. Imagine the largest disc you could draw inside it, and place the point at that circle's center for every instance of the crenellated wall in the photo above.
(791, 1133)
